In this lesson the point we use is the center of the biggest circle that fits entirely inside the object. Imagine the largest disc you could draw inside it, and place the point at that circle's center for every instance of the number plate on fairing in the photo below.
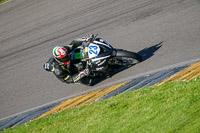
(93, 50)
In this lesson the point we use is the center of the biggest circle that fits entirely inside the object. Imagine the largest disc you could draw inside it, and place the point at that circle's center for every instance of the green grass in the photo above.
(2, 1)
(171, 107)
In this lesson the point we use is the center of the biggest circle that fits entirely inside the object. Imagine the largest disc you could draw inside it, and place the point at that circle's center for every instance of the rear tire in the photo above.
(128, 57)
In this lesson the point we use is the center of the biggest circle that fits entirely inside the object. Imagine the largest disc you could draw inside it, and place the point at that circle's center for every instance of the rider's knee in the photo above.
(59, 72)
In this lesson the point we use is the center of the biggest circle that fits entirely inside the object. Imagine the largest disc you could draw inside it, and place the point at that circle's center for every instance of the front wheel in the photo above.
(124, 57)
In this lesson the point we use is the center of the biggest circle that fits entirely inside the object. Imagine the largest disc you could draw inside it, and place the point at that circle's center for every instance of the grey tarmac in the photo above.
(164, 32)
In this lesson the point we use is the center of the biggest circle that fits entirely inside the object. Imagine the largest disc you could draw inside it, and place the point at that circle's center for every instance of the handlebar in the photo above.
(92, 37)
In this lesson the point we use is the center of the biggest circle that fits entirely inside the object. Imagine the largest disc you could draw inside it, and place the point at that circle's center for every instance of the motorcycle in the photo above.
(101, 58)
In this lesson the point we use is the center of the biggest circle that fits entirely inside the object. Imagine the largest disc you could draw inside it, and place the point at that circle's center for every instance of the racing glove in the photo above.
(47, 66)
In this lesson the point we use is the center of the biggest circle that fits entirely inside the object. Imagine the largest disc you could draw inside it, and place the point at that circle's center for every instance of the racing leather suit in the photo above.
(66, 73)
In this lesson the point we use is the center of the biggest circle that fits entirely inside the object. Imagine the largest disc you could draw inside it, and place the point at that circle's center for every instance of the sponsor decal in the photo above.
(102, 63)
(100, 68)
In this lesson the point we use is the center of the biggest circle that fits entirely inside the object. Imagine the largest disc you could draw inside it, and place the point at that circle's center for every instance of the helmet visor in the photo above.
(64, 59)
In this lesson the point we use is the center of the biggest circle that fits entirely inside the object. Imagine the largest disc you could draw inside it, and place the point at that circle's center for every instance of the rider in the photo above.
(61, 65)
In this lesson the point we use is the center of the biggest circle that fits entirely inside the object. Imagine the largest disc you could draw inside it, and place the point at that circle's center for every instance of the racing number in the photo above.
(93, 49)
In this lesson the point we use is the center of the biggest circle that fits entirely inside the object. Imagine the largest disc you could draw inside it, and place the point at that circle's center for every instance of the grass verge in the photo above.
(171, 107)
(2, 1)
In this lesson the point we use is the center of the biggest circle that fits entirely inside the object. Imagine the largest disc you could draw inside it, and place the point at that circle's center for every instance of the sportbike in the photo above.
(101, 58)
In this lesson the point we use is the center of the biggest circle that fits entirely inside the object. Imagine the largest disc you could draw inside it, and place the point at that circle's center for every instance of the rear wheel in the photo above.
(124, 57)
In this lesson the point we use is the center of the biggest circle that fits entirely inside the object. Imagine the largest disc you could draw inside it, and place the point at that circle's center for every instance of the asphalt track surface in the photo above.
(164, 32)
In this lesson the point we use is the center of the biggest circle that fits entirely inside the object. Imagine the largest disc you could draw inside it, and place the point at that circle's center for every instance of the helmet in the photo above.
(61, 55)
